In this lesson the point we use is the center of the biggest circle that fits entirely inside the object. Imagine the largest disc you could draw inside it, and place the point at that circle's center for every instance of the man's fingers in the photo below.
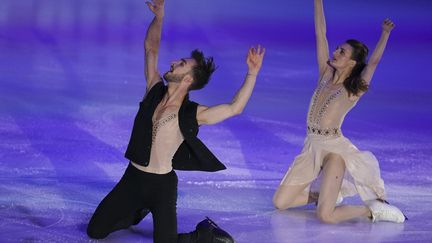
(256, 51)
(151, 6)
(249, 54)
(262, 52)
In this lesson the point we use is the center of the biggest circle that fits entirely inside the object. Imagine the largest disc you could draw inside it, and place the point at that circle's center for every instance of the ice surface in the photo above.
(71, 80)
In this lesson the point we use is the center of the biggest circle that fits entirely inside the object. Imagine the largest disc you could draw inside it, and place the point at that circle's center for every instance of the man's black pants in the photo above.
(137, 191)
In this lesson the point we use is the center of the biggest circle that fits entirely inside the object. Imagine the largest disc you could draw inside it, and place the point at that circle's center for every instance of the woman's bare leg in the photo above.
(288, 196)
(333, 172)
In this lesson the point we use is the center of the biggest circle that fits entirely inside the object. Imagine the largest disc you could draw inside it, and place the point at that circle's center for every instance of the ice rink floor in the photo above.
(71, 78)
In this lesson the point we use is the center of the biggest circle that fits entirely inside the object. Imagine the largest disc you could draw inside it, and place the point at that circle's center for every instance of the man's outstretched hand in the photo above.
(254, 59)
(157, 7)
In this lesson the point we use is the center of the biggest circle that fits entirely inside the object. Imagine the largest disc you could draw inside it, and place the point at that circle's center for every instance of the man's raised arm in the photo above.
(152, 43)
(215, 114)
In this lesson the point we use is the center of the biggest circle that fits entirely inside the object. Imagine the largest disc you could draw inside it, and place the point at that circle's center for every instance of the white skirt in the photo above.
(362, 174)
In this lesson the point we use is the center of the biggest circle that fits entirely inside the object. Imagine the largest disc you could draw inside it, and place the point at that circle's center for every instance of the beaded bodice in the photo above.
(328, 107)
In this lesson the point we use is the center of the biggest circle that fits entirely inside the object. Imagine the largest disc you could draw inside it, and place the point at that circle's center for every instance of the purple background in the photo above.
(71, 77)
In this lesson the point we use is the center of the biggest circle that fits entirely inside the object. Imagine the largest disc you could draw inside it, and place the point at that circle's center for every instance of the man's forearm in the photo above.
(153, 37)
(242, 97)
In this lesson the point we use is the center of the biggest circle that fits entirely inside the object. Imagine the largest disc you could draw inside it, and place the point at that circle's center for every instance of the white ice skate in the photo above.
(382, 211)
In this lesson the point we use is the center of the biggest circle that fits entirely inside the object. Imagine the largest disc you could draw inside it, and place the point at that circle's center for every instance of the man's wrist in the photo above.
(250, 73)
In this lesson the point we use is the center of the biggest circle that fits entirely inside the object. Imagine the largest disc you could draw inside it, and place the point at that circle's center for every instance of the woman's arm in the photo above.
(370, 68)
(320, 35)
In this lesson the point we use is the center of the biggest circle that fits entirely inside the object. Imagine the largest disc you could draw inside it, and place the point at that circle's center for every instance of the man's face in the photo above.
(179, 69)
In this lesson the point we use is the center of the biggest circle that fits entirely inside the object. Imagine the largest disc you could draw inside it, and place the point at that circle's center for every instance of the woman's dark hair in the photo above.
(354, 84)
(202, 71)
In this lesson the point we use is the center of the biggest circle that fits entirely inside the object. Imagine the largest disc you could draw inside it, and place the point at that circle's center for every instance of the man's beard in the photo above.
(173, 78)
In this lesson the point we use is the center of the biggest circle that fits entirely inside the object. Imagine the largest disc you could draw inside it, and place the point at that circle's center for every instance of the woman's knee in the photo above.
(280, 202)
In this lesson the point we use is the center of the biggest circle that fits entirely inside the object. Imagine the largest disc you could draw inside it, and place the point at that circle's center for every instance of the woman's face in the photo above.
(342, 57)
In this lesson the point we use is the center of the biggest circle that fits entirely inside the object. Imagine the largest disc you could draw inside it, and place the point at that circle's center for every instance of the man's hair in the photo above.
(202, 71)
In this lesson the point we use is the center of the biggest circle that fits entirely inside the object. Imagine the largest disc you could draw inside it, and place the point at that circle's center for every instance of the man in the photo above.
(164, 137)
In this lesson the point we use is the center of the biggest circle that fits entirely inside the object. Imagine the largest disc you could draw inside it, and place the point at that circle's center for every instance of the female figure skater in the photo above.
(345, 170)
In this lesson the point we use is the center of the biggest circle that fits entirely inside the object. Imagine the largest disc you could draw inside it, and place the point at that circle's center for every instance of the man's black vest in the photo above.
(192, 153)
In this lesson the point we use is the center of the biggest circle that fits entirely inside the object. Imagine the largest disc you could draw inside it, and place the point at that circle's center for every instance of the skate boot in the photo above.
(209, 232)
(383, 211)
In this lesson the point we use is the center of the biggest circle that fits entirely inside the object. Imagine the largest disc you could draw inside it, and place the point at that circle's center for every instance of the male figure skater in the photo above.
(164, 138)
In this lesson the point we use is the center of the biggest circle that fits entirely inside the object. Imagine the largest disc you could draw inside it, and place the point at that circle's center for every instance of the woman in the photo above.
(344, 169)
